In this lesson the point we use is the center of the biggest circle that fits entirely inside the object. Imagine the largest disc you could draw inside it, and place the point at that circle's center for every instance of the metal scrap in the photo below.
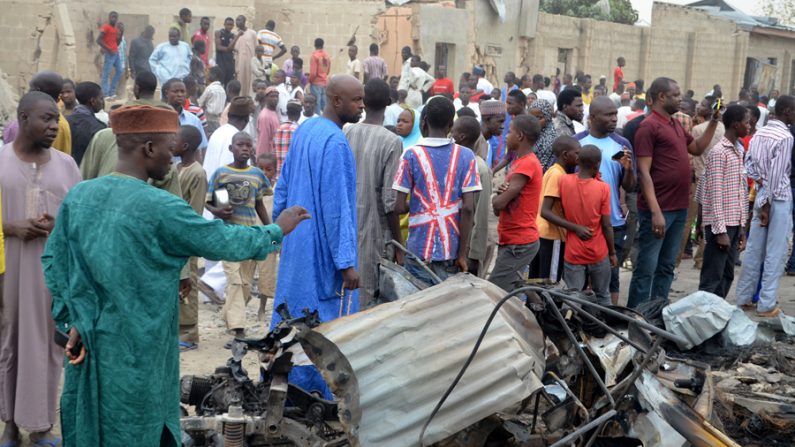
(405, 353)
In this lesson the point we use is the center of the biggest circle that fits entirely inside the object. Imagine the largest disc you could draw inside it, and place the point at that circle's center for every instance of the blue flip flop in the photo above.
(55, 442)
(10, 444)
(183, 346)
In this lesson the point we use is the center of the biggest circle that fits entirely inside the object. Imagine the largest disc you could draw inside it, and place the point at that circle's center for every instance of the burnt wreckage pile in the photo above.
(461, 364)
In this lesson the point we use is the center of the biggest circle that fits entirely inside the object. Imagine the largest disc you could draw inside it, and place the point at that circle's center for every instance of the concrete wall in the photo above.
(61, 34)
(30, 40)
(299, 22)
(442, 24)
(690, 46)
(764, 47)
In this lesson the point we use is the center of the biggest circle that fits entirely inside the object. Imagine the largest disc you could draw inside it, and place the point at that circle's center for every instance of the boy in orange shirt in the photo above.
(547, 266)
(590, 252)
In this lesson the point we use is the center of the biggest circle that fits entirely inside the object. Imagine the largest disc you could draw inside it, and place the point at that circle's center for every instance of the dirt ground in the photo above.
(212, 330)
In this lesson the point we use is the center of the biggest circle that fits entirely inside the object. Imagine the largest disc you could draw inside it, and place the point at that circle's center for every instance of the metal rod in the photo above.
(571, 394)
(645, 325)
(584, 429)
(604, 326)
(578, 348)
(595, 434)
(419, 261)
(618, 389)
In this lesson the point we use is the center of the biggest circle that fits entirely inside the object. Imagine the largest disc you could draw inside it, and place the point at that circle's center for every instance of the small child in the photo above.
(548, 265)
(245, 186)
(590, 252)
(516, 204)
(266, 284)
(193, 183)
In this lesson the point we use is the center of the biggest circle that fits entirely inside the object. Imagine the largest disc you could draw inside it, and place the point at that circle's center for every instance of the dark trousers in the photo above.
(619, 241)
(717, 271)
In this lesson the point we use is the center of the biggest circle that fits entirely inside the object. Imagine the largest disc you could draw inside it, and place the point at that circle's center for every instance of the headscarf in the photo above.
(415, 135)
(548, 134)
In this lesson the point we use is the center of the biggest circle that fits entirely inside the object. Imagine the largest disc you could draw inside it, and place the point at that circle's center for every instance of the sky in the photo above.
(644, 7)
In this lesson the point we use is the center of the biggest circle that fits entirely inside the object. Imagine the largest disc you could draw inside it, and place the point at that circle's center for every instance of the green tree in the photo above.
(784, 10)
(620, 11)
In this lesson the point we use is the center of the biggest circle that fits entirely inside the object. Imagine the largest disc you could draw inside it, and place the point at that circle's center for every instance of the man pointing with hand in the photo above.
(112, 264)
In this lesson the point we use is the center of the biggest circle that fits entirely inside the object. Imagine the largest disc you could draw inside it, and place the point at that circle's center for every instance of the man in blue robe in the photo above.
(318, 260)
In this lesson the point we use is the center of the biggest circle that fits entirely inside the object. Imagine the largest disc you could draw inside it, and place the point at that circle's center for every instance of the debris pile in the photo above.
(463, 364)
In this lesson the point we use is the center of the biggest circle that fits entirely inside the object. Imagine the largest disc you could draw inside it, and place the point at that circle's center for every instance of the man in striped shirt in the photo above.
(723, 193)
(769, 164)
(284, 134)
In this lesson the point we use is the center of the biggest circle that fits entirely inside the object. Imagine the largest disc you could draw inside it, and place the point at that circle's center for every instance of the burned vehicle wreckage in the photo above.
(461, 364)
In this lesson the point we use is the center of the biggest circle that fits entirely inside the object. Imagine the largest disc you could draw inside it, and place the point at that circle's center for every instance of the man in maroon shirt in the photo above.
(661, 147)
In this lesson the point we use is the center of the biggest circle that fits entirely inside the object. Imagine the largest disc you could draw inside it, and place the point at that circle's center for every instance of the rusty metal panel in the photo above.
(405, 354)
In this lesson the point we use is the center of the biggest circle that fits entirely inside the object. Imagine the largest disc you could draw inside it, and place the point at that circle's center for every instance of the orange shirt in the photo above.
(584, 202)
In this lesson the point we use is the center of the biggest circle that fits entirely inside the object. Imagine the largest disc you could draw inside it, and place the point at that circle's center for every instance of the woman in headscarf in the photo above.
(408, 127)
(542, 110)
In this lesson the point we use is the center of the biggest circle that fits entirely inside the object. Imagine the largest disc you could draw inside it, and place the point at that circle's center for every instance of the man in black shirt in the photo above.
(631, 199)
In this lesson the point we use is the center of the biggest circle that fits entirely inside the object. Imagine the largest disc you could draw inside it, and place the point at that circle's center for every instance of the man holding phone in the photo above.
(617, 169)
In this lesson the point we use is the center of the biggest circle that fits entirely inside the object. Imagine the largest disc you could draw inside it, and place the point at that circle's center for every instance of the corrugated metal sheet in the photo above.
(405, 354)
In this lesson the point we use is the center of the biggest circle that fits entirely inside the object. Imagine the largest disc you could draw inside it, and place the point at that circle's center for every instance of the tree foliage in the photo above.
(784, 10)
(620, 11)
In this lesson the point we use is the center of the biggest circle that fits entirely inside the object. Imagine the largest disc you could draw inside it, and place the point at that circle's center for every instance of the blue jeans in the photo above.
(791, 263)
(112, 61)
(654, 271)
(767, 247)
(442, 269)
(319, 92)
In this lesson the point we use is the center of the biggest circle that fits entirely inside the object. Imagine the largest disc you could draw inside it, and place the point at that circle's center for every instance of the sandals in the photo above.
(185, 346)
(48, 442)
(770, 313)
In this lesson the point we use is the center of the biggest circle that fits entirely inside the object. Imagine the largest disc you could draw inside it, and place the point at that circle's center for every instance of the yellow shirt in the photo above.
(63, 142)
(2, 242)
(550, 187)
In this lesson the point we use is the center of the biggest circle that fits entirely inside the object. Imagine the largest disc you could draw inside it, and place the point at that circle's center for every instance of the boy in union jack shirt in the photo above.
(440, 179)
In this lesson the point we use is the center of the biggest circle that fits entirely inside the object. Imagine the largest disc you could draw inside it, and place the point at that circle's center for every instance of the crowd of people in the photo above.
(107, 216)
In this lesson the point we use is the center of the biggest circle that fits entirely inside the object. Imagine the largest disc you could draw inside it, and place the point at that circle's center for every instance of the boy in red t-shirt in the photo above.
(516, 203)
(590, 253)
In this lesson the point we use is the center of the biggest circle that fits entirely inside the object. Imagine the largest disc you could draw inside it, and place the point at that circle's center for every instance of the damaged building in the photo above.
(502, 35)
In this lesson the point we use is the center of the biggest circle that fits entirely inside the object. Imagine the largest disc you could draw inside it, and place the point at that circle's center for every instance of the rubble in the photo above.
(463, 364)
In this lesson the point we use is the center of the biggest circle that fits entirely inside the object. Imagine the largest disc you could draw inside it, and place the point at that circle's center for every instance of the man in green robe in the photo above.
(112, 263)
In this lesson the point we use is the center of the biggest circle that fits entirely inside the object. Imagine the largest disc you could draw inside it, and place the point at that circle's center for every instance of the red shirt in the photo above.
(584, 203)
(204, 37)
(109, 34)
(442, 86)
(618, 75)
(666, 142)
(319, 68)
(518, 220)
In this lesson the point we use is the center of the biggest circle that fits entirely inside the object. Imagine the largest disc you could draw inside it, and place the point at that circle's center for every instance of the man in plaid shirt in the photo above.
(723, 193)
(284, 134)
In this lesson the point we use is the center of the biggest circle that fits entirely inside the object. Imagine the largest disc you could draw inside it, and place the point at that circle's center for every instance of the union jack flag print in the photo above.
(435, 178)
